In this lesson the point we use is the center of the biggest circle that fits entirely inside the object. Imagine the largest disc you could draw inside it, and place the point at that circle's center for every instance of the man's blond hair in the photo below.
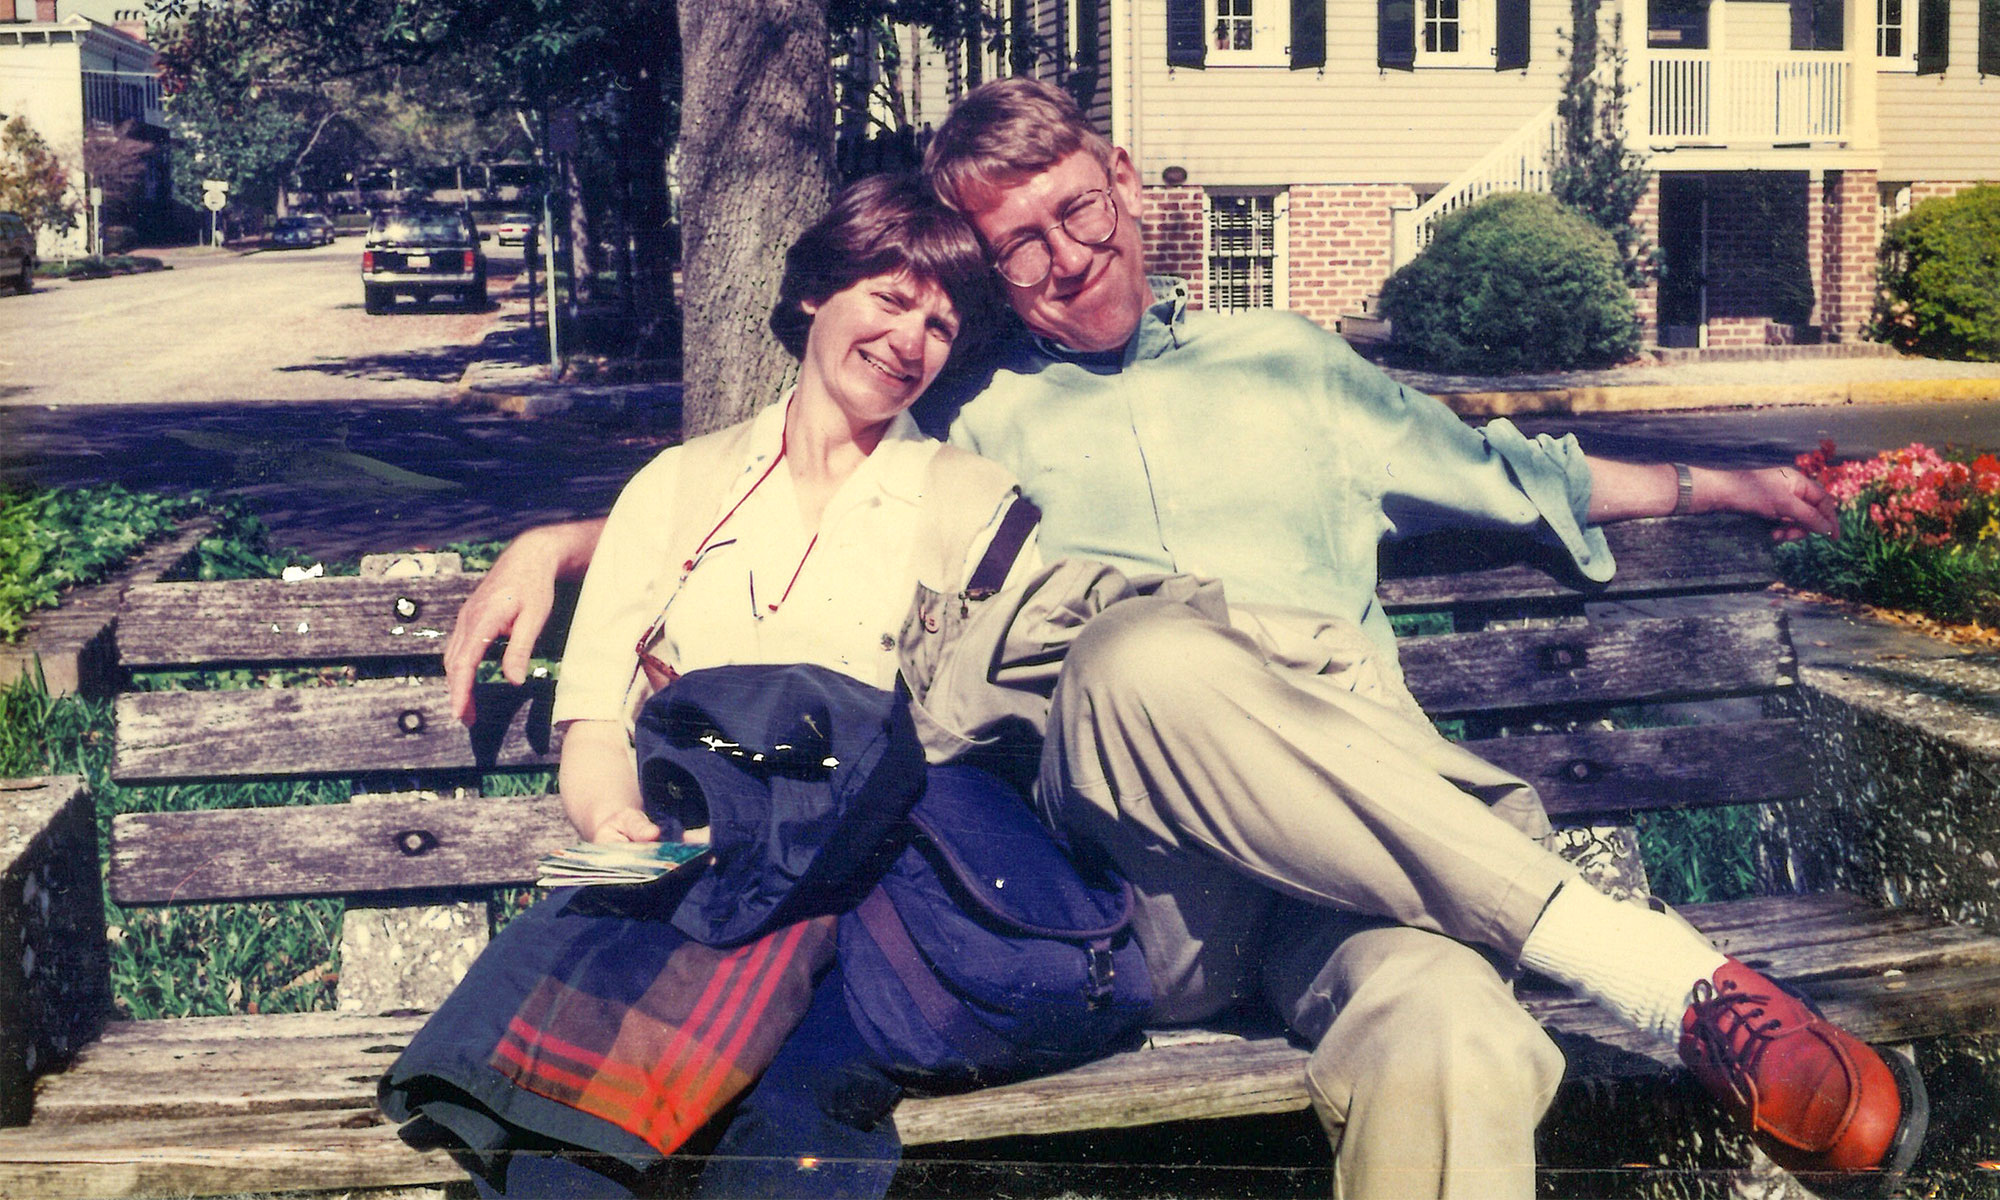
(1004, 130)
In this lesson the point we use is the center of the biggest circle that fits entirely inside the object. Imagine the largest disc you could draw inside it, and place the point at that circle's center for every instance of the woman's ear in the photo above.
(809, 307)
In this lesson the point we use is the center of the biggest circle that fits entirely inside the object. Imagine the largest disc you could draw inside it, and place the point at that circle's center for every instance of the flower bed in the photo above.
(1919, 530)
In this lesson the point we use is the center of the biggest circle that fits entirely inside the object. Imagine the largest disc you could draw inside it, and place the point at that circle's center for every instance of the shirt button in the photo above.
(930, 623)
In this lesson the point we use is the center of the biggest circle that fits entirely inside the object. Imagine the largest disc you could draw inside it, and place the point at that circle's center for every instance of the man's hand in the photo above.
(1795, 504)
(513, 601)
(1783, 495)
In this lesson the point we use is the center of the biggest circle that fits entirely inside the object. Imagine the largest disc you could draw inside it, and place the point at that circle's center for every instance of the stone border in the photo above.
(73, 641)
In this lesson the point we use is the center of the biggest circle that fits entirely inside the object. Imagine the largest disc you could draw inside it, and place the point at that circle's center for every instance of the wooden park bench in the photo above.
(271, 1102)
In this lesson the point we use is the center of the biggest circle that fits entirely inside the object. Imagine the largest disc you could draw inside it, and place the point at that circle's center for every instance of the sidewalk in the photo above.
(1778, 376)
(513, 377)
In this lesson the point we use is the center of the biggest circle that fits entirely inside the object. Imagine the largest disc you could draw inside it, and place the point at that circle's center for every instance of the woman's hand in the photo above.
(513, 601)
(624, 825)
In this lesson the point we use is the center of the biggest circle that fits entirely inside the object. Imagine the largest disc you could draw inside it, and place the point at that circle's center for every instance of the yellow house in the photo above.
(1294, 152)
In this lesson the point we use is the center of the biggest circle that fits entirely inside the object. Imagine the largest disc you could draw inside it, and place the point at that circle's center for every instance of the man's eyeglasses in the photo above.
(1090, 220)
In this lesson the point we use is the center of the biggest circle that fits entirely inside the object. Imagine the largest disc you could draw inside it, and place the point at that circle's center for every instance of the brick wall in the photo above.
(1646, 297)
(1175, 236)
(1851, 228)
(1338, 246)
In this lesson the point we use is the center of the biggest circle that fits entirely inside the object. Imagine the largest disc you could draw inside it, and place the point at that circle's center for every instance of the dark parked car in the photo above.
(17, 253)
(420, 253)
(300, 231)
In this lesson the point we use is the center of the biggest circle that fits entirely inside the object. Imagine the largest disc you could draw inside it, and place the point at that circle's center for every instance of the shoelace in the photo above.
(1728, 1035)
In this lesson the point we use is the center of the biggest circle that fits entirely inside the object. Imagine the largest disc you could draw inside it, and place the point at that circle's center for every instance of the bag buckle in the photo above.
(1101, 972)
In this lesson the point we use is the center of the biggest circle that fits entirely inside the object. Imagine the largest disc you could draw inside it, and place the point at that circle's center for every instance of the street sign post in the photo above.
(214, 198)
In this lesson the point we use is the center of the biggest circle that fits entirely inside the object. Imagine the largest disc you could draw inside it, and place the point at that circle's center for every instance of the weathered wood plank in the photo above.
(265, 621)
(1598, 772)
(1661, 557)
(266, 1152)
(332, 849)
(1651, 659)
(381, 725)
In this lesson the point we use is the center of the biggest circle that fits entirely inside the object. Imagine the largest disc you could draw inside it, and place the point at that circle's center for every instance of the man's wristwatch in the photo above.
(1684, 498)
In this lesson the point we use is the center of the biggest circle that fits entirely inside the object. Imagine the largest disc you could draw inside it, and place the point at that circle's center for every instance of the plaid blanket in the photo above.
(661, 1064)
(592, 1022)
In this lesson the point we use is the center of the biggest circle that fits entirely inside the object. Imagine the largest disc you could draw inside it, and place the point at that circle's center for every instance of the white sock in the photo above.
(1639, 964)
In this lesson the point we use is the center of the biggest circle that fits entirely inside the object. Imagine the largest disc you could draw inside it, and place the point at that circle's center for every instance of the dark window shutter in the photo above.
(1933, 36)
(1308, 34)
(1186, 45)
(1989, 37)
(1396, 35)
(1510, 48)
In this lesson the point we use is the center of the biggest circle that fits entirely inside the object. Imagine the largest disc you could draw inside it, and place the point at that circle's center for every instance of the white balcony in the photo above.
(1748, 99)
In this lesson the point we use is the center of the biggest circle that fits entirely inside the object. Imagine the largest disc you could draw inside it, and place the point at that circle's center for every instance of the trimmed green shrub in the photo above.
(1517, 282)
(1940, 278)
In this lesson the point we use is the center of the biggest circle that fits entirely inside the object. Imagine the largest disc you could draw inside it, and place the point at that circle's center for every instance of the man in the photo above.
(1291, 823)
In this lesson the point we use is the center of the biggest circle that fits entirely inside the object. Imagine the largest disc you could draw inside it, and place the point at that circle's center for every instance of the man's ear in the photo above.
(1125, 181)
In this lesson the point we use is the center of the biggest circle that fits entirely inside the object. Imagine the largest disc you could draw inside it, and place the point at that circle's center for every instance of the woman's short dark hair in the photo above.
(879, 225)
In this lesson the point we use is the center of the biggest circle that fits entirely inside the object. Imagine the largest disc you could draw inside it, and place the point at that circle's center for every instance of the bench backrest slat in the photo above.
(1664, 658)
(373, 726)
(1660, 557)
(386, 844)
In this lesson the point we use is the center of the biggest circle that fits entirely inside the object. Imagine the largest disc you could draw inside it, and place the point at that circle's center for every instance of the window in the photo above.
(1895, 35)
(1248, 33)
(1450, 33)
(1245, 260)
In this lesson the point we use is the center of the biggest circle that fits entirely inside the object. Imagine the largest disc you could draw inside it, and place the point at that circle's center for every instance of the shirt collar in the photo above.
(897, 466)
(1158, 332)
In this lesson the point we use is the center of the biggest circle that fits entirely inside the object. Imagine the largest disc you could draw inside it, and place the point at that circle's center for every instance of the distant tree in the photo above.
(1598, 173)
(33, 181)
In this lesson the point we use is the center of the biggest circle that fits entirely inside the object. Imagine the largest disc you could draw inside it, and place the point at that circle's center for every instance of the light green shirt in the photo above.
(1258, 449)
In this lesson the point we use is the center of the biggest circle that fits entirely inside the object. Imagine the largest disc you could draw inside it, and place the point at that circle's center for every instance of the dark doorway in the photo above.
(1683, 258)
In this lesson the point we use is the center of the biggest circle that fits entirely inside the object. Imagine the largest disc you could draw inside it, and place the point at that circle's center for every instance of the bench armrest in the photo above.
(55, 981)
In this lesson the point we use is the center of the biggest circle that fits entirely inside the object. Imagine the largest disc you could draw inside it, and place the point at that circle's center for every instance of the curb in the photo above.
(1655, 397)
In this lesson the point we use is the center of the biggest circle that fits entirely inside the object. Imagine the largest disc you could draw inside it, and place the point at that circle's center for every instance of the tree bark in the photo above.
(757, 168)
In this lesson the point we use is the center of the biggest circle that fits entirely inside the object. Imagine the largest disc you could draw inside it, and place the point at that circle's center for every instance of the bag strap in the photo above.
(1021, 519)
(962, 491)
(944, 1012)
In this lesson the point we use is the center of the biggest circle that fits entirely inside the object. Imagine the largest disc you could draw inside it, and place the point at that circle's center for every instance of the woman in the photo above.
(796, 537)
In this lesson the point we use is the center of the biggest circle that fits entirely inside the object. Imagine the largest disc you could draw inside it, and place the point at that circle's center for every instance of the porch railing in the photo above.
(1524, 162)
(1695, 97)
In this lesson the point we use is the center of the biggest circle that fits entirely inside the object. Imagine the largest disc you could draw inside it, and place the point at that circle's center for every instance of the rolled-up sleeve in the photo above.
(1436, 472)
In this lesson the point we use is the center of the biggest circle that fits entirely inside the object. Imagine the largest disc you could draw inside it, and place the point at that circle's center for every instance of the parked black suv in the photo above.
(419, 252)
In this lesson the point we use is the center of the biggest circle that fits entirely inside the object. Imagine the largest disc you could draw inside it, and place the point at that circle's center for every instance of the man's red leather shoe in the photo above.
(1819, 1101)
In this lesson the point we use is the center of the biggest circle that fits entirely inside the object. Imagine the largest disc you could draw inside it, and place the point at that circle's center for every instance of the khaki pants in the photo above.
(1227, 768)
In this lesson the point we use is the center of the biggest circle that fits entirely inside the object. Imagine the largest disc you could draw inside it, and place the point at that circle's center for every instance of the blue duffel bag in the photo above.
(985, 953)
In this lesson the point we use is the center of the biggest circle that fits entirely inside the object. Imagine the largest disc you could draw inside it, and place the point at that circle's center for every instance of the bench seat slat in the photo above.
(378, 725)
(332, 849)
(1659, 557)
(86, 1112)
(233, 1155)
(1660, 658)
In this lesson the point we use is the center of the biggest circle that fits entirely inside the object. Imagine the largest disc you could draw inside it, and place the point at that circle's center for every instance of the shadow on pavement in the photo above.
(440, 364)
(338, 480)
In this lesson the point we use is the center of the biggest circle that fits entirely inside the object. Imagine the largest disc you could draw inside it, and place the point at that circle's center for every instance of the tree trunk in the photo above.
(757, 153)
